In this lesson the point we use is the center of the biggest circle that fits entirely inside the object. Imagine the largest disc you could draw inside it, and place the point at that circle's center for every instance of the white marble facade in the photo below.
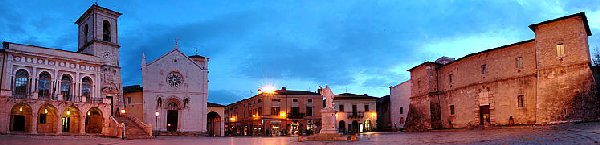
(176, 86)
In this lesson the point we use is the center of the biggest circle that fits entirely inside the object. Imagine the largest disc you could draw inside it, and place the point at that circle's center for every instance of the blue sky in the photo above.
(361, 47)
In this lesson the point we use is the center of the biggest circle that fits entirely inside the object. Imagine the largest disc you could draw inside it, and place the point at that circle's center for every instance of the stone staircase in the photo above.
(132, 129)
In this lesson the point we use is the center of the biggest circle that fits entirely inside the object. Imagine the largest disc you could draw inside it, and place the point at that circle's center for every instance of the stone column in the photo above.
(59, 121)
(34, 119)
(82, 122)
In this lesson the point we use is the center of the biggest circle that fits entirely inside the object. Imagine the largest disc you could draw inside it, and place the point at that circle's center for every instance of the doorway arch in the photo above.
(70, 120)
(354, 126)
(213, 124)
(47, 119)
(93, 121)
(342, 126)
(21, 118)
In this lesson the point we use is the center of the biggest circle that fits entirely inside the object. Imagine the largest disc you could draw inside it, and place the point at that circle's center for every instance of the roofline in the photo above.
(427, 62)
(582, 14)
(490, 50)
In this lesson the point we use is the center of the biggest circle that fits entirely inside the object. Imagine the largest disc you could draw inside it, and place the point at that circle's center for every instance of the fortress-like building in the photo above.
(544, 80)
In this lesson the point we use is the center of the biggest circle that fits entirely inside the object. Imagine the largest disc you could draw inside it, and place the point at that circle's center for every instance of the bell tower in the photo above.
(98, 36)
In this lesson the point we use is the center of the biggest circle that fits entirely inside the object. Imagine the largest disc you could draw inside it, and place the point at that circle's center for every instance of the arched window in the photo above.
(44, 85)
(105, 30)
(21, 83)
(65, 87)
(85, 33)
(86, 88)
(159, 102)
(185, 102)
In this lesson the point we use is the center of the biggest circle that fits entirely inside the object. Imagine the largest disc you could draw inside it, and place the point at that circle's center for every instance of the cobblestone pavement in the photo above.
(584, 133)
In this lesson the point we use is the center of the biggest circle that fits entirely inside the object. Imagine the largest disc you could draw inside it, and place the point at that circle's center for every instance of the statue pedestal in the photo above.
(328, 131)
(328, 120)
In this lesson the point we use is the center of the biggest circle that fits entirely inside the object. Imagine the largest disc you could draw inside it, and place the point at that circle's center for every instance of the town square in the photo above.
(299, 72)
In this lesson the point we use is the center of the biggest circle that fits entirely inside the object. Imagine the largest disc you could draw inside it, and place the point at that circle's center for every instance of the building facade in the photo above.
(384, 116)
(355, 113)
(52, 91)
(278, 113)
(400, 100)
(175, 87)
(544, 80)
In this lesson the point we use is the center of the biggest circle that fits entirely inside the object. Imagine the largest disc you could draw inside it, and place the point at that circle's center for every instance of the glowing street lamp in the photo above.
(122, 111)
(45, 111)
(156, 123)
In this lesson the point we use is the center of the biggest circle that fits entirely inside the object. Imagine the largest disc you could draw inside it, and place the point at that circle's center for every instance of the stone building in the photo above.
(400, 99)
(175, 87)
(277, 113)
(544, 80)
(384, 118)
(53, 91)
(215, 125)
(355, 113)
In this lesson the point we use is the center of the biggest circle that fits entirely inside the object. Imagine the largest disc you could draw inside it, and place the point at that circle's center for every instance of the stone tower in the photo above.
(98, 37)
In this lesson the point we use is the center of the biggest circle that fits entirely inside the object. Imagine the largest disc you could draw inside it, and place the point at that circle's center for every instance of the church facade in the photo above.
(53, 91)
(175, 92)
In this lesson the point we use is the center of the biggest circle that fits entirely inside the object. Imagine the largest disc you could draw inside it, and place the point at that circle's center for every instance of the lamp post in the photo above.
(156, 122)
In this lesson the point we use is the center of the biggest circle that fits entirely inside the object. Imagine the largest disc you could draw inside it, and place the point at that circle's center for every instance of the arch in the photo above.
(43, 87)
(173, 103)
(71, 120)
(213, 124)
(93, 120)
(66, 82)
(106, 30)
(354, 128)
(342, 126)
(47, 119)
(21, 118)
(21, 83)
(159, 102)
(86, 88)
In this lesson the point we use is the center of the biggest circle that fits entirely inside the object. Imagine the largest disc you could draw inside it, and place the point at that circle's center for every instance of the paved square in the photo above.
(584, 133)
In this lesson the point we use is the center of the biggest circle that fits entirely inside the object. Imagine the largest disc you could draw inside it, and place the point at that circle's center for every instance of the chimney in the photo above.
(283, 88)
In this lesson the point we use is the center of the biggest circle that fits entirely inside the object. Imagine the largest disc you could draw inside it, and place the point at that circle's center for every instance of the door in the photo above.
(484, 114)
(66, 124)
(172, 117)
(18, 123)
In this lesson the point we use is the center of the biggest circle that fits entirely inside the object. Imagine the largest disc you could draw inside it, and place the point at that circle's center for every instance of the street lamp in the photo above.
(156, 123)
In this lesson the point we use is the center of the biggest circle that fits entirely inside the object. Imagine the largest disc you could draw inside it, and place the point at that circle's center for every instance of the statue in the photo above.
(328, 96)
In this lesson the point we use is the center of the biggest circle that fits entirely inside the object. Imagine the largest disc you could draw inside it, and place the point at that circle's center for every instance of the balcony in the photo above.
(355, 115)
(295, 115)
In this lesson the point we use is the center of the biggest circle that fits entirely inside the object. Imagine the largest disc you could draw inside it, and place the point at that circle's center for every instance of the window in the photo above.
(21, 82)
(44, 85)
(560, 50)
(520, 101)
(294, 100)
(105, 30)
(341, 108)
(85, 33)
(451, 109)
(309, 100)
(86, 84)
(450, 76)
(259, 100)
(275, 100)
(42, 118)
(401, 110)
(295, 110)
(65, 87)
(309, 111)
(519, 62)
(128, 100)
(260, 112)
(483, 69)
(275, 110)
(158, 102)
(366, 108)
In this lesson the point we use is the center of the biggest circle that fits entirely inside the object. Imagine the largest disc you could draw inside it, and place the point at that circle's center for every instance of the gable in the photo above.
(173, 55)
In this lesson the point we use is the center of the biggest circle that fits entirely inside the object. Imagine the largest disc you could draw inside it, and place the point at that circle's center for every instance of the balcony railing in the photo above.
(21, 96)
(356, 115)
(295, 115)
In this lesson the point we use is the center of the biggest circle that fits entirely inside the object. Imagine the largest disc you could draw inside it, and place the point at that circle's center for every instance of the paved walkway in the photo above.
(585, 133)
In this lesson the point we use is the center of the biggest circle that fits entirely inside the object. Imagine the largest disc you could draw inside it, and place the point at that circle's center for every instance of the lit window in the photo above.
(560, 50)
(21, 82)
